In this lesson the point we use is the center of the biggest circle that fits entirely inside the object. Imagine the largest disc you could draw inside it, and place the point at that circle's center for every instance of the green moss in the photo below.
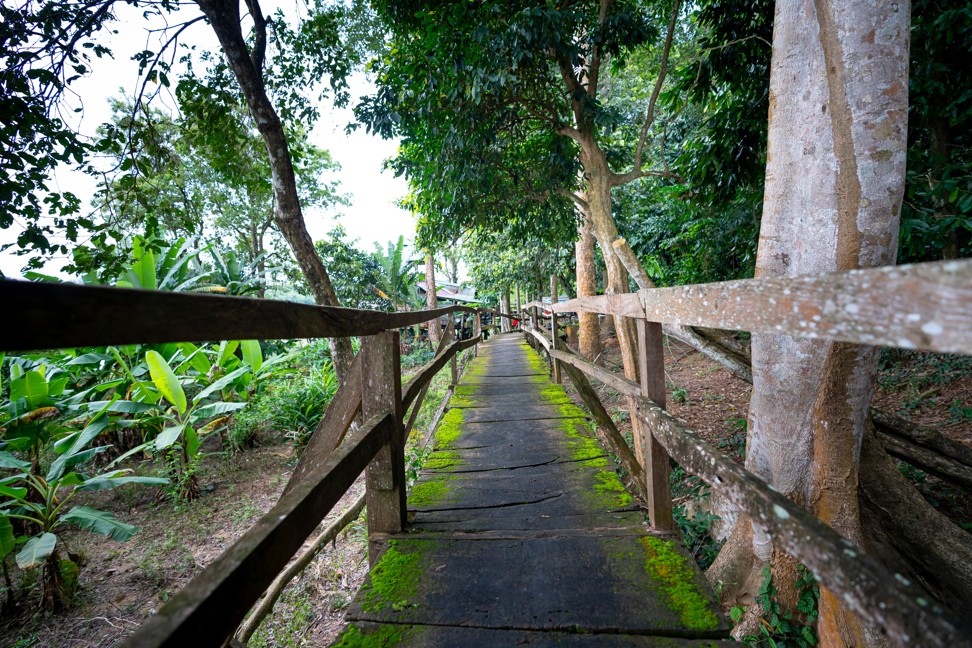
(610, 491)
(597, 462)
(449, 429)
(466, 401)
(581, 446)
(554, 394)
(465, 390)
(442, 460)
(382, 636)
(676, 579)
(431, 492)
(537, 363)
(394, 580)
(569, 410)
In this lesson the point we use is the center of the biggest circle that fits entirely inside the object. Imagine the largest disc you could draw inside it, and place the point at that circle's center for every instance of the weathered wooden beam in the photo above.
(926, 306)
(100, 316)
(555, 374)
(888, 601)
(211, 606)
(381, 390)
(626, 304)
(609, 378)
(651, 371)
(341, 411)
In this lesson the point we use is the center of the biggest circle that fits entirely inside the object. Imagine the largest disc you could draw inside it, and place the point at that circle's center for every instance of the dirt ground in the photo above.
(124, 583)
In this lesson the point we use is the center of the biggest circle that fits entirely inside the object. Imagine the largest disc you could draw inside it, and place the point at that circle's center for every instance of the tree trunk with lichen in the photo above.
(834, 184)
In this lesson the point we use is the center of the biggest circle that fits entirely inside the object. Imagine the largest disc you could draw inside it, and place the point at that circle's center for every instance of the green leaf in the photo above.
(7, 460)
(32, 386)
(252, 355)
(7, 540)
(36, 551)
(168, 436)
(15, 493)
(107, 481)
(100, 522)
(216, 409)
(227, 349)
(165, 380)
(196, 358)
(144, 264)
(90, 359)
(222, 382)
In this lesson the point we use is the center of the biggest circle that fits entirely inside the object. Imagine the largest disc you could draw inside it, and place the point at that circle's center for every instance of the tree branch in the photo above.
(650, 115)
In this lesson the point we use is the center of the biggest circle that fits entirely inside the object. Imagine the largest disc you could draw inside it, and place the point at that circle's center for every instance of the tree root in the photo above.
(908, 535)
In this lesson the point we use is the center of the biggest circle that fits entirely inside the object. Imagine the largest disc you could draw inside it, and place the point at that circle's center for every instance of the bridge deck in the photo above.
(520, 532)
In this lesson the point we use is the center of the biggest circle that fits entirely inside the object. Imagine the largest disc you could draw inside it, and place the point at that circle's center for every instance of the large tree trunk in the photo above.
(431, 301)
(834, 183)
(224, 16)
(605, 231)
(588, 328)
(505, 308)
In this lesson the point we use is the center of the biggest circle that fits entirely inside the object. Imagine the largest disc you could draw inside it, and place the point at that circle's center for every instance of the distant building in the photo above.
(449, 293)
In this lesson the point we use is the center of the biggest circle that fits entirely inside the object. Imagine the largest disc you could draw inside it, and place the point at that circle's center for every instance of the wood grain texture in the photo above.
(101, 316)
(862, 582)
(211, 606)
(651, 371)
(926, 306)
(381, 390)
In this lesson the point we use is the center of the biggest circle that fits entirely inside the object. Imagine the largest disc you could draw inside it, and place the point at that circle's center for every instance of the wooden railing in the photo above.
(207, 610)
(924, 306)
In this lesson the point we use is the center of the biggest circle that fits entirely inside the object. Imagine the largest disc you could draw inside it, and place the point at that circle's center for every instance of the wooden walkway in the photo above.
(521, 533)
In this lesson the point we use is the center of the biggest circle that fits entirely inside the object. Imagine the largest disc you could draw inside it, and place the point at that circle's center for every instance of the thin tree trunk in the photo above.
(224, 17)
(834, 183)
(431, 301)
(588, 328)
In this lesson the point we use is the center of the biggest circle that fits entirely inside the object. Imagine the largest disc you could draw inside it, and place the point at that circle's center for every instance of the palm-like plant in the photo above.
(398, 275)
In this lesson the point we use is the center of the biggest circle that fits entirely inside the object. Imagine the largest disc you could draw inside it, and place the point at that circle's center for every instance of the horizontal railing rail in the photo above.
(923, 306)
(212, 605)
(207, 610)
(54, 316)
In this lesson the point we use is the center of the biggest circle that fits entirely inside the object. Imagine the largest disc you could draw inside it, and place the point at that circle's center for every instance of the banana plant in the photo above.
(185, 424)
(39, 505)
(38, 402)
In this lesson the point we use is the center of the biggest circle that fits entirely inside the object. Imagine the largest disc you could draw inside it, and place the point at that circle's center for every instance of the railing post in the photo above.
(651, 369)
(477, 331)
(553, 327)
(453, 364)
(381, 390)
(519, 314)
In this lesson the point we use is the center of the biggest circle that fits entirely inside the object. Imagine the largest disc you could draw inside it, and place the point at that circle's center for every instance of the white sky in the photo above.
(371, 215)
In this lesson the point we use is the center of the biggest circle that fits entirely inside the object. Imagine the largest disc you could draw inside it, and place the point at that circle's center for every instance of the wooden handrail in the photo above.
(211, 606)
(922, 306)
(51, 316)
(886, 600)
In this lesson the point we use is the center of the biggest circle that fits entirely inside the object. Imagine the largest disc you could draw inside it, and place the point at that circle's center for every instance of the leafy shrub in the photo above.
(293, 406)
(778, 627)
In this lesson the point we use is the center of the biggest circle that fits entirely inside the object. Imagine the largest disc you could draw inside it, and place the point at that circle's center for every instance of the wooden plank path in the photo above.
(521, 533)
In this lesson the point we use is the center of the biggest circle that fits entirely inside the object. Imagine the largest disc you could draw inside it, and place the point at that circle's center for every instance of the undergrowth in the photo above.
(778, 627)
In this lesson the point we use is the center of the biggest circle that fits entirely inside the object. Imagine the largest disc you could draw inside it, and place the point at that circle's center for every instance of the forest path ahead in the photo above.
(520, 532)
